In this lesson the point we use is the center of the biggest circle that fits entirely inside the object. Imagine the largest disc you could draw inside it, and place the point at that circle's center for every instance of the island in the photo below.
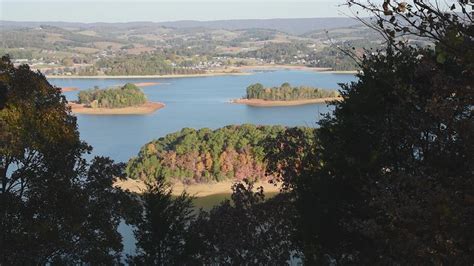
(125, 100)
(286, 95)
(206, 161)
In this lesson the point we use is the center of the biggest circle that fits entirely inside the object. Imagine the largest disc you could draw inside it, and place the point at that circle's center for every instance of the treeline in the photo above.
(206, 155)
(125, 96)
(283, 53)
(287, 93)
(302, 53)
(143, 64)
(334, 58)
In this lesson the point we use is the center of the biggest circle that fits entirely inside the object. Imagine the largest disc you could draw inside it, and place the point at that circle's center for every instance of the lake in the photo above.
(197, 103)
(194, 102)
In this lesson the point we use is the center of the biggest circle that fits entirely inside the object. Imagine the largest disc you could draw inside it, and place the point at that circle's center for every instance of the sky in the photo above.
(165, 10)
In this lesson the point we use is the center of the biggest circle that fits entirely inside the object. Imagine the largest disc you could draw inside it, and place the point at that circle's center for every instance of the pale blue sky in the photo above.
(165, 10)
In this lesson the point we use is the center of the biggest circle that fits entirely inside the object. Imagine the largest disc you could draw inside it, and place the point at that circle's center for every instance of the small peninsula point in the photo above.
(67, 89)
(146, 108)
(267, 103)
(146, 84)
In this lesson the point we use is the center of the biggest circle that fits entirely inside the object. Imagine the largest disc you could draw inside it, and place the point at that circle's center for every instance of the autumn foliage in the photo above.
(204, 155)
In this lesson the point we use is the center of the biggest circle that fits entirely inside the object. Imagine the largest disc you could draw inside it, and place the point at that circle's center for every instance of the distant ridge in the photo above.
(292, 26)
(289, 25)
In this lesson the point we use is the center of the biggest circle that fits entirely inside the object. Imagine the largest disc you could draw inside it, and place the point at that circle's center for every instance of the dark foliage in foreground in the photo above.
(391, 180)
(54, 206)
(256, 230)
(161, 232)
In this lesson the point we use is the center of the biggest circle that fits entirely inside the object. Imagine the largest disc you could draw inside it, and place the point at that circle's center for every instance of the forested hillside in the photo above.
(287, 93)
(206, 155)
(128, 95)
(155, 49)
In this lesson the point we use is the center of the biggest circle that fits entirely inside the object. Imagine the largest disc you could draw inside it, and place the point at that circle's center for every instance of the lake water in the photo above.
(194, 102)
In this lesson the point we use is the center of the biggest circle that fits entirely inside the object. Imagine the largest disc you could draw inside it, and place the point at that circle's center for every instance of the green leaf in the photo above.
(441, 58)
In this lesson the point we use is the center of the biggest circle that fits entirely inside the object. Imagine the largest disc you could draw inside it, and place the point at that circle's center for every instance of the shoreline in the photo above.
(197, 190)
(266, 103)
(146, 108)
(152, 76)
(147, 84)
(295, 67)
(353, 72)
(68, 89)
(243, 71)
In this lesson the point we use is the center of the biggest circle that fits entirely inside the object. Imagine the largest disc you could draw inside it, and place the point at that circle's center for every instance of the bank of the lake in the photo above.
(227, 71)
(267, 103)
(146, 84)
(272, 67)
(210, 74)
(146, 108)
(196, 190)
(69, 89)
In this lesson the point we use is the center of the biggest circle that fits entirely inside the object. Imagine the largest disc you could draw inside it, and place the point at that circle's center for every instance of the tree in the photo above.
(162, 230)
(55, 206)
(249, 229)
(127, 95)
(287, 93)
(391, 180)
(204, 155)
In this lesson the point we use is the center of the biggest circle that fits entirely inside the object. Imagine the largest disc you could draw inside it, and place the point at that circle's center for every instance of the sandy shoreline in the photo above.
(197, 190)
(146, 84)
(265, 103)
(282, 67)
(341, 72)
(67, 89)
(145, 108)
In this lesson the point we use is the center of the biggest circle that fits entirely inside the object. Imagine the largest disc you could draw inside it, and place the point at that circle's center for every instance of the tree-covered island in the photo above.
(205, 155)
(285, 94)
(127, 99)
(119, 97)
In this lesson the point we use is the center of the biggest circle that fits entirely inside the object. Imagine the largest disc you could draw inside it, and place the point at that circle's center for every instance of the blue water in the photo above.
(194, 102)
